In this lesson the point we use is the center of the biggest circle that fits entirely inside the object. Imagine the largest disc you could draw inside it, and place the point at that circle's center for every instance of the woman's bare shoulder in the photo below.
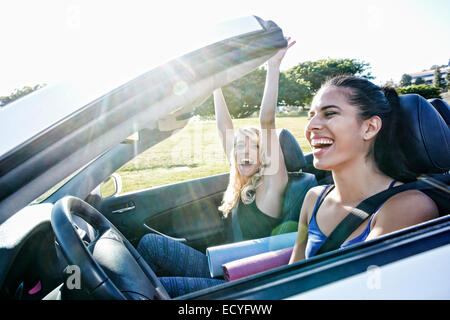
(406, 209)
(310, 199)
(315, 191)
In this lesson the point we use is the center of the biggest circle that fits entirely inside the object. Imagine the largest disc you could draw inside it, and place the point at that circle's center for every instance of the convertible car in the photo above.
(60, 143)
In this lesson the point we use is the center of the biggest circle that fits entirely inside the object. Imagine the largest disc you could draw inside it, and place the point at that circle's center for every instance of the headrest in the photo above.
(442, 107)
(293, 155)
(425, 138)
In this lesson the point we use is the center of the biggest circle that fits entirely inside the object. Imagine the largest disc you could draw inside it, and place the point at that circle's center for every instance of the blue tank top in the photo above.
(316, 237)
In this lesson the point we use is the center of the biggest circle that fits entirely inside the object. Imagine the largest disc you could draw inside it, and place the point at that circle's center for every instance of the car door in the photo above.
(186, 211)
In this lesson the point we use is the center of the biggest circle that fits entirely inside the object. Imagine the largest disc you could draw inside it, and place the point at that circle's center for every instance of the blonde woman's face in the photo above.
(247, 155)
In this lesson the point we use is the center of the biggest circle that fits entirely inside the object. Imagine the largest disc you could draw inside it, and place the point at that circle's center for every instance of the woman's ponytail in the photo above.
(387, 151)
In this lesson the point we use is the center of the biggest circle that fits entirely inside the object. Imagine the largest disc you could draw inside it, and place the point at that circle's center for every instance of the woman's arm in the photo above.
(275, 173)
(270, 96)
(302, 237)
(223, 122)
(298, 253)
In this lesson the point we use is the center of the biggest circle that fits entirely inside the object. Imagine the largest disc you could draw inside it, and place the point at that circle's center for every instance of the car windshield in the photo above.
(73, 102)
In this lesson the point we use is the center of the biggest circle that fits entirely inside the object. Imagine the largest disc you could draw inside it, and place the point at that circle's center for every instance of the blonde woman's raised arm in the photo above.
(275, 171)
(223, 122)
(270, 96)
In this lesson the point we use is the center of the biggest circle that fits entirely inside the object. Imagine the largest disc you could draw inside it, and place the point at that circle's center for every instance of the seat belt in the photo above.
(359, 214)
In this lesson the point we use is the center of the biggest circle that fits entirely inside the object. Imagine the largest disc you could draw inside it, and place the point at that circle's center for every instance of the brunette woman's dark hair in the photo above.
(383, 102)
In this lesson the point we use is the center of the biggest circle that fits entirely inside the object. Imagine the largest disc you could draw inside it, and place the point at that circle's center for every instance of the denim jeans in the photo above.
(180, 268)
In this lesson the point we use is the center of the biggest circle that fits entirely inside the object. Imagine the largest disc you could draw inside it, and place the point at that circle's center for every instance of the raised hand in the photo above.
(278, 57)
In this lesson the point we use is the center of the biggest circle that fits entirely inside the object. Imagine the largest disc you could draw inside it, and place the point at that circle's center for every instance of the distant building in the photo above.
(428, 75)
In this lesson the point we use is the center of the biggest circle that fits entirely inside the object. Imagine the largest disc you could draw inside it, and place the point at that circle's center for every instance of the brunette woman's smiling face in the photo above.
(334, 129)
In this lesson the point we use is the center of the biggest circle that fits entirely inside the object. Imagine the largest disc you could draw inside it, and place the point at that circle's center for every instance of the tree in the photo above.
(291, 92)
(419, 80)
(424, 90)
(18, 93)
(297, 86)
(243, 96)
(406, 80)
(311, 74)
(438, 81)
(448, 79)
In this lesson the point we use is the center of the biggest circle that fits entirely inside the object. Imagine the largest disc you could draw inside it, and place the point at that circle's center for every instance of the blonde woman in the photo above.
(258, 178)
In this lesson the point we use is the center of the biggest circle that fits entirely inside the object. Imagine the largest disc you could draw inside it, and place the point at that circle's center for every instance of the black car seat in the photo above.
(298, 182)
(443, 108)
(425, 138)
(425, 141)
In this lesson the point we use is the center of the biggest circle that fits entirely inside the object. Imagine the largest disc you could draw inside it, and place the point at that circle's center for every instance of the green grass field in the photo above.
(192, 153)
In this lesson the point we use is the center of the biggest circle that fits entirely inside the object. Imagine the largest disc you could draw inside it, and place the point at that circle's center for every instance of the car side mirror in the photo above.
(110, 187)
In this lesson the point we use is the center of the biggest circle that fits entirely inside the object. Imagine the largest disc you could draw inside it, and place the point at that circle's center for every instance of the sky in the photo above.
(46, 41)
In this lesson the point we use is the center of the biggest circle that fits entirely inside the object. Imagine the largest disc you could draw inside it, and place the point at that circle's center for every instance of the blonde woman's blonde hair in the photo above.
(235, 189)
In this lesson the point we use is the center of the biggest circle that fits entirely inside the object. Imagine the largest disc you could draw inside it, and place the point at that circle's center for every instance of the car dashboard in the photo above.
(31, 262)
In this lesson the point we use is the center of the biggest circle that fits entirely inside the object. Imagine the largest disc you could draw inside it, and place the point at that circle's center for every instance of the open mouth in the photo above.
(321, 145)
(247, 162)
(247, 166)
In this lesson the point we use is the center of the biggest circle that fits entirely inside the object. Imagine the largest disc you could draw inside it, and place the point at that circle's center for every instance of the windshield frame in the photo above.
(98, 126)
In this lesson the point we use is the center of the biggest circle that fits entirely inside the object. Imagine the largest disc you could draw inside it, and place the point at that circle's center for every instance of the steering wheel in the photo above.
(110, 267)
